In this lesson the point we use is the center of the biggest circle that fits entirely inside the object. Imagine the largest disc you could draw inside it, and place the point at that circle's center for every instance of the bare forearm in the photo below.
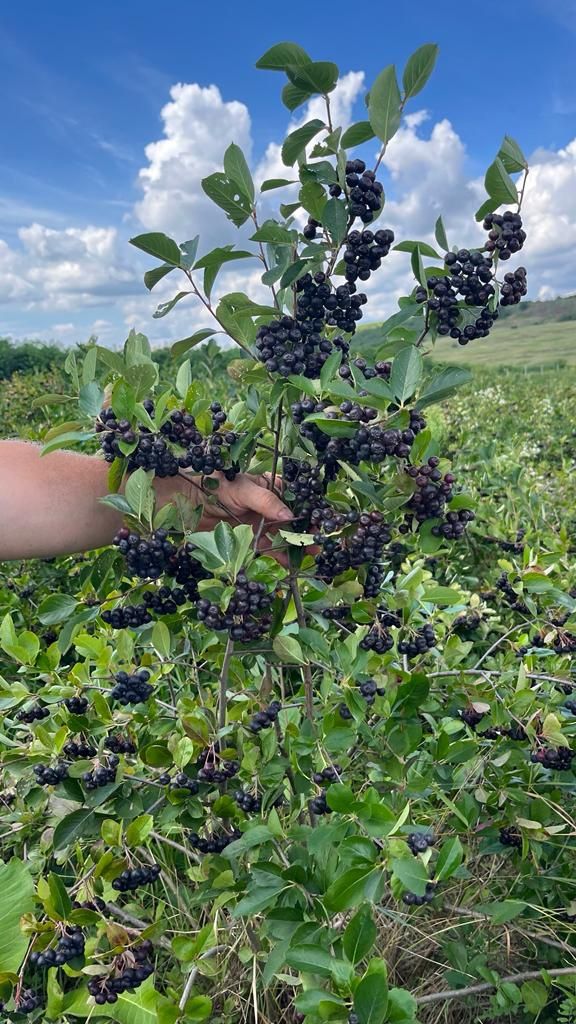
(49, 505)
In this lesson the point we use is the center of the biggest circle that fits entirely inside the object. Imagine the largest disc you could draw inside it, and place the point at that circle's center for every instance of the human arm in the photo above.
(50, 505)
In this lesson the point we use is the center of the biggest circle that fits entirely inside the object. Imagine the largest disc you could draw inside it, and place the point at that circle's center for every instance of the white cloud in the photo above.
(66, 270)
(198, 126)
(90, 275)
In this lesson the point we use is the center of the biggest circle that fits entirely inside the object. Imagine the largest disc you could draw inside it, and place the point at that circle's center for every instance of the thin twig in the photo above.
(194, 971)
(206, 303)
(126, 918)
(487, 986)
(308, 682)
(254, 216)
(223, 687)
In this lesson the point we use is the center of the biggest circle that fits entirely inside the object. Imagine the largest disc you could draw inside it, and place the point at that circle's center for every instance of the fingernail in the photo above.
(285, 513)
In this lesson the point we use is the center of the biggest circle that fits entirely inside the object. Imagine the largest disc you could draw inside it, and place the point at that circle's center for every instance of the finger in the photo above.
(263, 502)
(272, 482)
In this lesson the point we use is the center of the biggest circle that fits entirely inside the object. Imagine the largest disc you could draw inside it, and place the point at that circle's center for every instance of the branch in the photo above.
(125, 918)
(522, 190)
(194, 971)
(308, 683)
(213, 313)
(385, 146)
(487, 986)
(222, 705)
(254, 216)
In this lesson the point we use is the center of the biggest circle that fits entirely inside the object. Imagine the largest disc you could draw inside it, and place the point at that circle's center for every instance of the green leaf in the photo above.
(272, 183)
(59, 898)
(535, 996)
(271, 231)
(118, 502)
(449, 859)
(55, 997)
(418, 266)
(139, 1007)
(165, 307)
(140, 495)
(237, 169)
(198, 1008)
(281, 56)
(89, 364)
(17, 890)
(501, 911)
(78, 825)
(359, 935)
(441, 595)
(334, 428)
(499, 184)
(226, 195)
(425, 249)
(335, 219)
(39, 403)
(293, 272)
(189, 250)
(384, 105)
(142, 377)
(255, 836)
(512, 156)
(295, 143)
(353, 887)
(311, 959)
(440, 234)
(293, 96)
(330, 368)
(152, 277)
(261, 899)
(419, 67)
(357, 133)
(179, 348)
(139, 829)
(184, 378)
(90, 399)
(406, 373)
(161, 639)
(371, 995)
(412, 872)
(313, 198)
(315, 76)
(320, 1002)
(443, 384)
(56, 608)
(214, 260)
(288, 650)
(487, 207)
(340, 798)
(402, 1007)
(158, 244)
(243, 541)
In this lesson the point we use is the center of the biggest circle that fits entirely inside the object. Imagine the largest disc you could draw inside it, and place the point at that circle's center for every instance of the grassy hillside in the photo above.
(532, 334)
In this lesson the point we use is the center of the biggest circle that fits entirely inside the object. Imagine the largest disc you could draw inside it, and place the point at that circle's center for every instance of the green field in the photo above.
(541, 335)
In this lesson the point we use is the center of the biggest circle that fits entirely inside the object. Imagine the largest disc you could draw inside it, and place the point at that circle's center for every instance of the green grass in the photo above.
(515, 344)
(511, 343)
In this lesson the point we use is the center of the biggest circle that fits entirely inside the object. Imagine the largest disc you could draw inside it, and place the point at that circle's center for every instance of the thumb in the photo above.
(265, 503)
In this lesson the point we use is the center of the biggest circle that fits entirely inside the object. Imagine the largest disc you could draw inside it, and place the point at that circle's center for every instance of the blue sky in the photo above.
(84, 85)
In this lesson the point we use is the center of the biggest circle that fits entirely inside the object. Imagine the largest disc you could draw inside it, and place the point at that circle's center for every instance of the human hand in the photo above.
(246, 499)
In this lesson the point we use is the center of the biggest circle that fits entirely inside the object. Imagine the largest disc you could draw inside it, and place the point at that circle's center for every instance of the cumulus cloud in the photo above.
(72, 270)
(198, 126)
(66, 270)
